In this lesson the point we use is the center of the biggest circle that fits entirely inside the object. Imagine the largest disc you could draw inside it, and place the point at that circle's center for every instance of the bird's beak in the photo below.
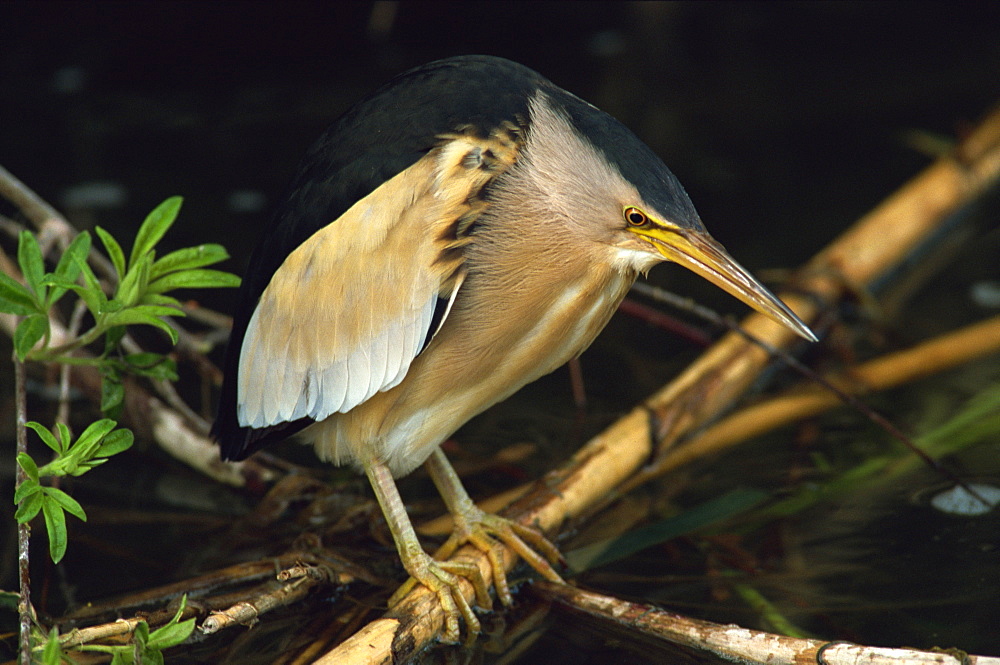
(702, 254)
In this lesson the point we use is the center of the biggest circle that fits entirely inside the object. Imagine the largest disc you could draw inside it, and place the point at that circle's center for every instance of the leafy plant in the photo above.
(138, 297)
(97, 443)
(135, 292)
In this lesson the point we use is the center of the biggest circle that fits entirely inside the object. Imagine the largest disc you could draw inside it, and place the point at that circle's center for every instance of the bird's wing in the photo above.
(352, 306)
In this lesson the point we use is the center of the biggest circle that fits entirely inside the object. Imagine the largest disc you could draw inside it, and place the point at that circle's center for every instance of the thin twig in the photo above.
(24, 199)
(927, 358)
(75, 321)
(842, 394)
(247, 612)
(25, 610)
(121, 627)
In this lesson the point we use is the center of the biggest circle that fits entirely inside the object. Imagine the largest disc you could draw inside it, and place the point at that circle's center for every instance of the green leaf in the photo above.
(62, 282)
(171, 634)
(55, 525)
(141, 634)
(143, 315)
(113, 250)
(46, 436)
(15, 297)
(91, 293)
(27, 509)
(146, 310)
(143, 360)
(29, 257)
(95, 300)
(68, 503)
(69, 265)
(112, 391)
(152, 365)
(27, 488)
(84, 467)
(64, 435)
(29, 332)
(163, 301)
(30, 468)
(94, 433)
(75, 253)
(113, 337)
(156, 224)
(133, 285)
(113, 306)
(189, 257)
(122, 657)
(52, 653)
(116, 442)
(194, 279)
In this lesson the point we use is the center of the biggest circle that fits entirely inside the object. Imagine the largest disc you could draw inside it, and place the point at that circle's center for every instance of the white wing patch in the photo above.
(348, 311)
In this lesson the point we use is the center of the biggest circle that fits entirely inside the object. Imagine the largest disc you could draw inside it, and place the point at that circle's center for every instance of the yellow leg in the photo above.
(481, 530)
(439, 577)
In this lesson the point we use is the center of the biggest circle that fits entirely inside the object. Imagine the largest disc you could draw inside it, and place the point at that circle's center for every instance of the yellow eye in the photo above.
(635, 217)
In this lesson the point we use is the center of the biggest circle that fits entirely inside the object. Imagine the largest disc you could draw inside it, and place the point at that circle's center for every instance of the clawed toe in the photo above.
(483, 530)
(443, 578)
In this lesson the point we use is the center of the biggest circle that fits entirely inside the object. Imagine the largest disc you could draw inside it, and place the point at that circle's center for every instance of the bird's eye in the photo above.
(635, 217)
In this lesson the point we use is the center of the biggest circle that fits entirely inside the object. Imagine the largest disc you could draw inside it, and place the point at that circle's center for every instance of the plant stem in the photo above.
(24, 608)
(60, 353)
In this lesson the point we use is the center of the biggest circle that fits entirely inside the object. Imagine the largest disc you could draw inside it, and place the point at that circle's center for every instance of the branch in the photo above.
(736, 644)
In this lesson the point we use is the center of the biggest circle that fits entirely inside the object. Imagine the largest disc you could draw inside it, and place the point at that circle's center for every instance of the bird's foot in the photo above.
(482, 530)
(443, 578)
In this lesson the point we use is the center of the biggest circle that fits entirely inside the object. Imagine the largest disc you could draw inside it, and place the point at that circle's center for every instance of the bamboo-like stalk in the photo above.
(877, 242)
(740, 645)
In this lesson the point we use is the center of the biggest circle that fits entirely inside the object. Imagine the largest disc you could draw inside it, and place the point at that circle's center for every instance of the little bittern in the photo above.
(466, 229)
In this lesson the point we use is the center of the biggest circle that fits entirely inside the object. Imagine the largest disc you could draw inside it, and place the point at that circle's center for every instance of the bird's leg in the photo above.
(440, 577)
(479, 529)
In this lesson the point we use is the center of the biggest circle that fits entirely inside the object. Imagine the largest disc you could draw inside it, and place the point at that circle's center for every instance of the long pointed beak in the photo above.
(702, 254)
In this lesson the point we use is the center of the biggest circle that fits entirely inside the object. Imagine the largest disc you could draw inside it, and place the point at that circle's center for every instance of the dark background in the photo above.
(782, 120)
(785, 121)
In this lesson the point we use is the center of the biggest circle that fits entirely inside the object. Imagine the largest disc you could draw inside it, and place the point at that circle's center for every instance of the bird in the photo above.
(462, 231)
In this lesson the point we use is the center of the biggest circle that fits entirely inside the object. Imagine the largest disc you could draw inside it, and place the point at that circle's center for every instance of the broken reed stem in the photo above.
(931, 357)
(877, 242)
(736, 644)
(246, 613)
(122, 628)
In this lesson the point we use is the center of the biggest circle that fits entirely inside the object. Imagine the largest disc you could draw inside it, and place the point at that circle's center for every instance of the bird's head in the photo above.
(649, 235)
(585, 168)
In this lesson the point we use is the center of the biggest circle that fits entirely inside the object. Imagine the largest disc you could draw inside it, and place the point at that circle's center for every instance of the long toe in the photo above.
(444, 580)
(482, 530)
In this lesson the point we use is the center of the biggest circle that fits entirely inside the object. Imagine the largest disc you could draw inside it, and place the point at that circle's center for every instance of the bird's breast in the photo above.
(482, 355)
